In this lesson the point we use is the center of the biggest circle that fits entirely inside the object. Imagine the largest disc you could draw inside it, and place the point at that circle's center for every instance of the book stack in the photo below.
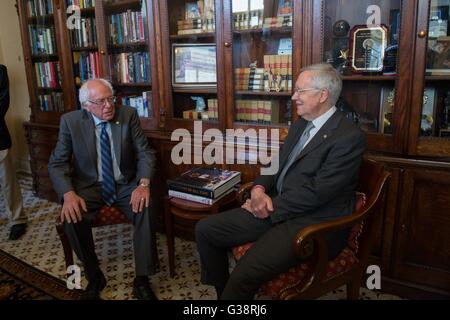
(127, 27)
(143, 104)
(42, 40)
(85, 35)
(252, 19)
(204, 185)
(86, 66)
(48, 74)
(83, 4)
(260, 111)
(51, 102)
(213, 113)
(199, 18)
(191, 114)
(131, 67)
(40, 8)
(251, 79)
(278, 22)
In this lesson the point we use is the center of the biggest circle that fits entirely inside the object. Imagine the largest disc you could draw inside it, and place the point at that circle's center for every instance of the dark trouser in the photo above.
(82, 242)
(271, 254)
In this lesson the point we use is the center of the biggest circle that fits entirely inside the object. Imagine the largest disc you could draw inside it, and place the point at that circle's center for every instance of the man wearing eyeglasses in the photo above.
(316, 182)
(102, 157)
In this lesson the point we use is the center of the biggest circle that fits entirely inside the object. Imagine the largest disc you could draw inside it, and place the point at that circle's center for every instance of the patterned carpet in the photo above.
(40, 247)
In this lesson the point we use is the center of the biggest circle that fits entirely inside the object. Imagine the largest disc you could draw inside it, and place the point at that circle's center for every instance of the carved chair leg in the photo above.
(68, 253)
(353, 290)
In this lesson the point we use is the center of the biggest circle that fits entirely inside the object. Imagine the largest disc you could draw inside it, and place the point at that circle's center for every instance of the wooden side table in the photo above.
(190, 211)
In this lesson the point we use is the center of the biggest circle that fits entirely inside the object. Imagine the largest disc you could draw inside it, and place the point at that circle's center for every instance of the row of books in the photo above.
(86, 66)
(39, 7)
(127, 27)
(143, 104)
(204, 185)
(83, 4)
(48, 74)
(51, 102)
(131, 67)
(261, 111)
(248, 20)
(85, 35)
(192, 26)
(42, 40)
(211, 113)
(251, 79)
(278, 22)
(278, 65)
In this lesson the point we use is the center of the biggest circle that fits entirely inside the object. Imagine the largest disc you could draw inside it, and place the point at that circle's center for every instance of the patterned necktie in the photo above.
(294, 154)
(108, 183)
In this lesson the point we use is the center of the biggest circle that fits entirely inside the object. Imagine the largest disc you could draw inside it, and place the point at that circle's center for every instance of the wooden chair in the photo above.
(317, 276)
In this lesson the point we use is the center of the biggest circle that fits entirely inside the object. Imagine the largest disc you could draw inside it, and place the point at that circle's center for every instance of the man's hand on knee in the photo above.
(140, 197)
(260, 204)
(71, 211)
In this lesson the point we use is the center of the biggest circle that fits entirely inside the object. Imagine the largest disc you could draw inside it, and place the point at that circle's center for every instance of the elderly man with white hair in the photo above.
(102, 157)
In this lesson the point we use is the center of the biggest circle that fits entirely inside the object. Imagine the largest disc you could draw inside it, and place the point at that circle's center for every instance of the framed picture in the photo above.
(192, 11)
(285, 7)
(439, 22)
(368, 45)
(194, 65)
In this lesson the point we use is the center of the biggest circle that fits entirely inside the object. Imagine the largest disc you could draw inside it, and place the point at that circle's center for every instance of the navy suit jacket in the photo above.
(321, 183)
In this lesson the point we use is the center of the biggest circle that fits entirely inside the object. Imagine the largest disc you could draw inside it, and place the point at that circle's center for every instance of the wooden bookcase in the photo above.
(405, 109)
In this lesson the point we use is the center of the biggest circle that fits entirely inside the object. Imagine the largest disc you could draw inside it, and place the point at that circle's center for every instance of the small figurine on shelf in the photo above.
(344, 67)
(278, 83)
(268, 79)
(253, 65)
(200, 104)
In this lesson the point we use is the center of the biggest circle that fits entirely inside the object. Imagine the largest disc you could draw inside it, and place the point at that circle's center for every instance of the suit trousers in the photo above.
(144, 236)
(271, 254)
(10, 189)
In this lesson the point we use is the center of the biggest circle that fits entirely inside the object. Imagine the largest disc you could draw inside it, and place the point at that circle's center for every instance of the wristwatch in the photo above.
(144, 183)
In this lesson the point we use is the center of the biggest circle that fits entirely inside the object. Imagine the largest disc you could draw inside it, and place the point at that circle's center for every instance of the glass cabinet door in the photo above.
(43, 58)
(361, 38)
(262, 62)
(435, 107)
(192, 66)
(125, 24)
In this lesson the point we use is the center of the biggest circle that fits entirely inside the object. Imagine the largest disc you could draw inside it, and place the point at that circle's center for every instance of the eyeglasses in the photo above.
(300, 91)
(102, 102)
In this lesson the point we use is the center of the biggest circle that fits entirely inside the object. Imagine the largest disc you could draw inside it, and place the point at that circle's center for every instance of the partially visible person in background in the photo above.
(9, 186)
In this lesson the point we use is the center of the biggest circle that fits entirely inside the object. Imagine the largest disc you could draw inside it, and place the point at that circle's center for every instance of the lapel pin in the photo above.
(325, 136)
(117, 122)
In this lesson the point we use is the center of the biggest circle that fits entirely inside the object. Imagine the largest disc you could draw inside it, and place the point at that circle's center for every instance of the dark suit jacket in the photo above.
(5, 138)
(73, 163)
(321, 184)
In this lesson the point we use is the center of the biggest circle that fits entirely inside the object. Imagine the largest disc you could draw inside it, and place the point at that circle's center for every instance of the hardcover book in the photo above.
(206, 182)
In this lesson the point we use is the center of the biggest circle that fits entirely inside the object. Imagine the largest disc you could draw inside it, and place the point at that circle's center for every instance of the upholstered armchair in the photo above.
(317, 275)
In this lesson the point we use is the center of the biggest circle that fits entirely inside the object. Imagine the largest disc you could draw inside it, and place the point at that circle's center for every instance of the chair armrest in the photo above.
(244, 193)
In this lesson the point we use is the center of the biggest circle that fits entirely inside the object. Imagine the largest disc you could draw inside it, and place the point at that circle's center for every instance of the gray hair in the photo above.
(83, 95)
(327, 77)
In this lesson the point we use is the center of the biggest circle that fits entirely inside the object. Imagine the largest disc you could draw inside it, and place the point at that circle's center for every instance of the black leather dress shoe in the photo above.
(142, 291)
(94, 287)
(17, 231)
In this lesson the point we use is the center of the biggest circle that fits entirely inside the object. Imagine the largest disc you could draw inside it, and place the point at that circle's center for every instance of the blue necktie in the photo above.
(108, 183)
(294, 154)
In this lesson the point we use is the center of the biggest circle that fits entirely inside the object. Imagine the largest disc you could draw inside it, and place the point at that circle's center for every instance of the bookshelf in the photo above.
(247, 35)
